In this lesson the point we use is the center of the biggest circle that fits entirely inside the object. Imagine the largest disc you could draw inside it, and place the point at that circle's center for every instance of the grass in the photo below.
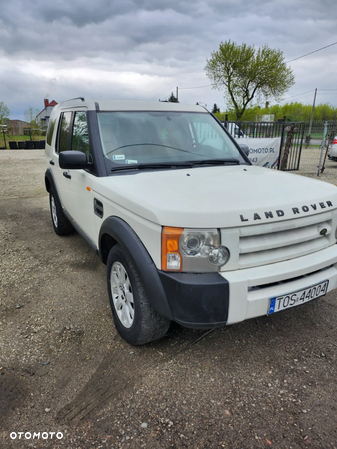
(10, 138)
(317, 135)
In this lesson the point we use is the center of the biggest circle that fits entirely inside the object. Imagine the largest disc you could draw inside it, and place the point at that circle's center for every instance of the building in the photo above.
(43, 117)
(17, 127)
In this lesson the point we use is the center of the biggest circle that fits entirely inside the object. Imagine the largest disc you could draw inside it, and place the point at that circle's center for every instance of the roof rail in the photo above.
(77, 98)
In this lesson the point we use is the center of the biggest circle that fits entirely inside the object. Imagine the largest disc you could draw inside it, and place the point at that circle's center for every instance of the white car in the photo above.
(189, 230)
(234, 130)
(332, 150)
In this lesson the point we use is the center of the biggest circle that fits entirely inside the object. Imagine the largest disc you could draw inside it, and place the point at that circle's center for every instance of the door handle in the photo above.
(66, 175)
(51, 162)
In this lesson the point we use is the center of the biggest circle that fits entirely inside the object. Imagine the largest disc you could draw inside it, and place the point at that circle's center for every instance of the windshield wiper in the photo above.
(149, 145)
(148, 165)
(163, 165)
(217, 161)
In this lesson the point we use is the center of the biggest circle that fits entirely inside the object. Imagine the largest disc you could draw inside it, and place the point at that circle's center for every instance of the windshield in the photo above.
(163, 138)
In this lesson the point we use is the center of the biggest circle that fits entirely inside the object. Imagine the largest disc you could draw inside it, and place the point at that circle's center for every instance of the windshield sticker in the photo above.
(131, 161)
(118, 157)
(164, 134)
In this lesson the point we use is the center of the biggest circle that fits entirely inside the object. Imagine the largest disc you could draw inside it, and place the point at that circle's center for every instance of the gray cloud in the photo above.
(145, 48)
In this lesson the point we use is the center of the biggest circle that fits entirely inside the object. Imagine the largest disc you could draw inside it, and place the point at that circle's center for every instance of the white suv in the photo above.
(189, 230)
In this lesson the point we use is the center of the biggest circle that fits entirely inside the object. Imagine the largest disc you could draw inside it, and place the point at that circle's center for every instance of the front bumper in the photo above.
(215, 299)
(251, 289)
(197, 300)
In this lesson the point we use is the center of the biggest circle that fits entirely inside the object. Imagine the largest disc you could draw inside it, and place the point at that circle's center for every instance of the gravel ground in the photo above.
(310, 161)
(65, 372)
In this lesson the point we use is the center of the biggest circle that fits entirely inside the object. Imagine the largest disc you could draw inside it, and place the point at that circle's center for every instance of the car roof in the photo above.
(127, 105)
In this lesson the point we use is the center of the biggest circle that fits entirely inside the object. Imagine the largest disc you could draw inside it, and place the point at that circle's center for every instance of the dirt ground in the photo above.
(67, 377)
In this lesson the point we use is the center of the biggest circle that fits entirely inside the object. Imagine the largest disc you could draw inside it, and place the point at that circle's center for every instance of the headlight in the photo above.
(195, 243)
(192, 250)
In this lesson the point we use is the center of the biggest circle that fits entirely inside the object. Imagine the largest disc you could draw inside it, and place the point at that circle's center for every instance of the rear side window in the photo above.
(50, 131)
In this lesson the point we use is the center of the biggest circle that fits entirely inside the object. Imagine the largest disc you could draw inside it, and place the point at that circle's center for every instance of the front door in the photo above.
(75, 186)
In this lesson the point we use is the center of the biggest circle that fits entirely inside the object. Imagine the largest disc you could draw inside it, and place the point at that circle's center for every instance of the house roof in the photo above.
(46, 104)
(17, 120)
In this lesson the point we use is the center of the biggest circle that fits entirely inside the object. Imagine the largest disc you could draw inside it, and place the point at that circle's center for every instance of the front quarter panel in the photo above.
(120, 232)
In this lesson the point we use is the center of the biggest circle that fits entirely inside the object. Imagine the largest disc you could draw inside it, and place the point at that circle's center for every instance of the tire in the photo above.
(135, 319)
(61, 224)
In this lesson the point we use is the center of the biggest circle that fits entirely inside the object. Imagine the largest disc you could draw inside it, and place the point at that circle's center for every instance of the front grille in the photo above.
(276, 242)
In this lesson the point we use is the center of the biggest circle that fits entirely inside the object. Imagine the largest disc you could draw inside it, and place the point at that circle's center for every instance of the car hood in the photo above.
(217, 196)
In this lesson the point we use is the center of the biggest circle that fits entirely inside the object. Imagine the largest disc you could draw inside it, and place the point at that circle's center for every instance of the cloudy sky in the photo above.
(144, 49)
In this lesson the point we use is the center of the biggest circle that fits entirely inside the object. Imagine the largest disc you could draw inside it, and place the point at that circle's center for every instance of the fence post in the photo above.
(281, 143)
(291, 130)
(308, 138)
(4, 129)
(322, 147)
(301, 143)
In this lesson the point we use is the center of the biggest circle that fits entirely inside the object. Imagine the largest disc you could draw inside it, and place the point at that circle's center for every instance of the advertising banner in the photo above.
(264, 152)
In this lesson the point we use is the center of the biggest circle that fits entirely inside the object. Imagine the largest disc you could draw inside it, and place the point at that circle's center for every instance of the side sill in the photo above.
(81, 232)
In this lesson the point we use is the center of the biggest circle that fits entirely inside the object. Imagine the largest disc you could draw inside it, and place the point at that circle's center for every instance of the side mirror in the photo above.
(244, 148)
(72, 160)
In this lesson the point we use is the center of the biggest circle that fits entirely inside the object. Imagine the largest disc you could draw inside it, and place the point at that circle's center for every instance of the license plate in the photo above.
(297, 298)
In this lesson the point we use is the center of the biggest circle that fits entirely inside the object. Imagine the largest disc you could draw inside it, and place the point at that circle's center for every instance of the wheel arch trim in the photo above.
(50, 183)
(119, 232)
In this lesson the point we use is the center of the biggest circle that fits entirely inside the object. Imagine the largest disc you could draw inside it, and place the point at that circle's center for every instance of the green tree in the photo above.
(31, 118)
(294, 112)
(4, 113)
(323, 112)
(31, 115)
(245, 73)
(215, 109)
(173, 99)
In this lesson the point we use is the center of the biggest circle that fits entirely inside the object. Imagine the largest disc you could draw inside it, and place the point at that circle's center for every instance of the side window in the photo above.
(63, 138)
(80, 137)
(50, 131)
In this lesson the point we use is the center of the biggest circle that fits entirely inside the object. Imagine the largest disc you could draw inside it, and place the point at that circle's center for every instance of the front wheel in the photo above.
(135, 319)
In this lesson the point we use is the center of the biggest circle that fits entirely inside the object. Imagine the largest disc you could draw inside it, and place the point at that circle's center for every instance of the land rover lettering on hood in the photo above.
(295, 210)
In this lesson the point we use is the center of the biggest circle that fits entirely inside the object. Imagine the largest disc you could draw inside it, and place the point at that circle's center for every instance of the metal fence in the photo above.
(316, 131)
(272, 129)
(255, 129)
(315, 152)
